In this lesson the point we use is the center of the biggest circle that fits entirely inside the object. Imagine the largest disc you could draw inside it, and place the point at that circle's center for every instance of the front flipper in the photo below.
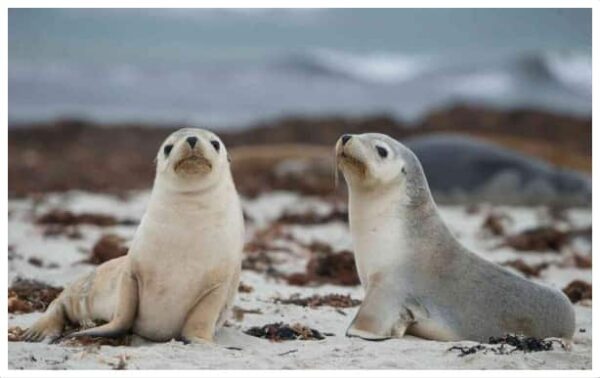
(385, 314)
(125, 311)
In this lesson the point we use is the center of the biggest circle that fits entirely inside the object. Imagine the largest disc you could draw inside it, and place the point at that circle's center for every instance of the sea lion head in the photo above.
(372, 161)
(191, 159)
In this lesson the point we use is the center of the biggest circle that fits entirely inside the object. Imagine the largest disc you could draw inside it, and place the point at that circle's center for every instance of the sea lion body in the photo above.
(203, 257)
(417, 277)
(182, 270)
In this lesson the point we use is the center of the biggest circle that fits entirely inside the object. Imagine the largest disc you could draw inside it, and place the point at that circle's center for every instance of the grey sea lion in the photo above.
(417, 277)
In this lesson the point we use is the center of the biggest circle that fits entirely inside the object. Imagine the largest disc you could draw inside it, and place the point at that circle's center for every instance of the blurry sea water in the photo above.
(223, 68)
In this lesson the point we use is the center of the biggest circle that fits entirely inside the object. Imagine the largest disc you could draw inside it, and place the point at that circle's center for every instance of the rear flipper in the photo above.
(50, 326)
(384, 314)
(125, 311)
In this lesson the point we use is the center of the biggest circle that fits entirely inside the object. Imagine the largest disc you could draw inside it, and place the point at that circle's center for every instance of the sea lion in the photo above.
(417, 277)
(486, 172)
(182, 270)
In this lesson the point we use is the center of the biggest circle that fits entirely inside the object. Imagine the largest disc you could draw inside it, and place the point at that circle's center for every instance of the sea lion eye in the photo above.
(382, 151)
(216, 145)
(168, 149)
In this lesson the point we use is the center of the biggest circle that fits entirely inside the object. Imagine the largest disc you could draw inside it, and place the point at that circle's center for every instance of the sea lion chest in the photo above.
(178, 256)
(378, 237)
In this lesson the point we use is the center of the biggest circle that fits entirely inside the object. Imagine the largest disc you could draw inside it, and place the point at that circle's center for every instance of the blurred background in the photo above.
(497, 103)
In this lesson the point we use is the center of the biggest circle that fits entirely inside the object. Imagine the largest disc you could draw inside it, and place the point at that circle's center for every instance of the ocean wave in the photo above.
(312, 82)
(573, 70)
(483, 85)
(375, 67)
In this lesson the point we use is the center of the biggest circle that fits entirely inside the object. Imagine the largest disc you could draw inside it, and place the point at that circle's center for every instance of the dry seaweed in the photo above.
(108, 247)
(63, 155)
(68, 218)
(583, 262)
(544, 238)
(26, 296)
(257, 250)
(317, 247)
(527, 269)
(509, 344)
(245, 288)
(466, 350)
(578, 290)
(263, 240)
(35, 261)
(332, 300)
(495, 223)
(523, 343)
(70, 231)
(333, 268)
(337, 214)
(282, 332)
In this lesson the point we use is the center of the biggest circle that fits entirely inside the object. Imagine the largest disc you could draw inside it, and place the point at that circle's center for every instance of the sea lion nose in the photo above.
(345, 139)
(192, 141)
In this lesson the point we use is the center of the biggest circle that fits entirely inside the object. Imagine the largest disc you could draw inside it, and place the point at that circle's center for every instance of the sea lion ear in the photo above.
(228, 157)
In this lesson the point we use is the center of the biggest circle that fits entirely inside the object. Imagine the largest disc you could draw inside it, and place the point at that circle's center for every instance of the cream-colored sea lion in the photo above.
(417, 277)
(181, 273)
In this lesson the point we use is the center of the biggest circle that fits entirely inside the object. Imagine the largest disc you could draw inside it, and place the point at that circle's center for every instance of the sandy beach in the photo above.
(496, 104)
(285, 231)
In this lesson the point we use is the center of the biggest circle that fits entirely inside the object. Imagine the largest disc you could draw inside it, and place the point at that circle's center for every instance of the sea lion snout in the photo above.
(192, 141)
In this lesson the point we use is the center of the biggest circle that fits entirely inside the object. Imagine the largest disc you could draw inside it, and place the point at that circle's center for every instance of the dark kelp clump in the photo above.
(26, 296)
(337, 214)
(283, 332)
(528, 270)
(58, 222)
(332, 300)
(495, 223)
(108, 247)
(333, 268)
(257, 251)
(245, 288)
(578, 290)
(68, 218)
(509, 344)
(544, 238)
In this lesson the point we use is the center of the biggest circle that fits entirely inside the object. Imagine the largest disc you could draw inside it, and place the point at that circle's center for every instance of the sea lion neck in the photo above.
(211, 198)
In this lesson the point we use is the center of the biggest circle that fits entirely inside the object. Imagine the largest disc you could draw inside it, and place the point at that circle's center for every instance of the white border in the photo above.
(4, 372)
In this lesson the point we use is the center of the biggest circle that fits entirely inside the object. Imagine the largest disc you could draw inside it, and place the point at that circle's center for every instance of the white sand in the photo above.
(334, 352)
